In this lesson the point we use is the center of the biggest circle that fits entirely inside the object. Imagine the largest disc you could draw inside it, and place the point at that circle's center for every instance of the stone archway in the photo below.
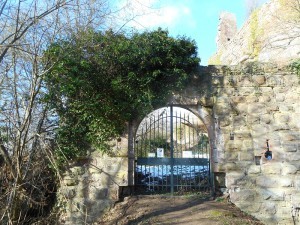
(227, 102)
(184, 163)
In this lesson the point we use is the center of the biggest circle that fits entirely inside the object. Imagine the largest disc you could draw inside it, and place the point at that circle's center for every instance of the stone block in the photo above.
(253, 118)
(268, 208)
(284, 212)
(280, 126)
(280, 97)
(254, 169)
(286, 181)
(288, 169)
(97, 194)
(232, 178)
(272, 194)
(264, 98)
(267, 91)
(242, 135)
(258, 108)
(120, 151)
(206, 101)
(246, 156)
(245, 91)
(247, 144)
(269, 181)
(222, 100)
(292, 156)
(251, 99)
(240, 121)
(281, 117)
(241, 108)
(288, 136)
(70, 181)
(246, 182)
(294, 122)
(246, 195)
(297, 182)
(96, 164)
(284, 219)
(282, 90)
(119, 147)
(271, 168)
(231, 156)
(274, 107)
(259, 79)
(245, 81)
(265, 218)
(96, 170)
(122, 178)
(266, 119)
(295, 199)
(238, 99)
(297, 110)
(233, 146)
(284, 108)
(107, 180)
(224, 122)
(254, 207)
(223, 109)
(289, 192)
(290, 147)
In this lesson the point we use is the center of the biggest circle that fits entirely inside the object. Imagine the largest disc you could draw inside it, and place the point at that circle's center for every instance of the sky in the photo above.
(195, 19)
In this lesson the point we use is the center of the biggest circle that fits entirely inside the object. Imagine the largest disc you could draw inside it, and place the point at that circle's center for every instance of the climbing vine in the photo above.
(103, 80)
(295, 67)
(255, 33)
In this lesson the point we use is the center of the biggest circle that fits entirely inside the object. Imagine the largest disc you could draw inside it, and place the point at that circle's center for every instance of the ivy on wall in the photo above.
(101, 81)
(295, 67)
(255, 33)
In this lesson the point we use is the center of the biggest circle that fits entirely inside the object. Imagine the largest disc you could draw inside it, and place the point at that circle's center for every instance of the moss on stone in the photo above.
(215, 59)
(255, 32)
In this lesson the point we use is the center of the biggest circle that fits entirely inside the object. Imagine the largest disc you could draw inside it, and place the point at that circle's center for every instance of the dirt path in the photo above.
(162, 210)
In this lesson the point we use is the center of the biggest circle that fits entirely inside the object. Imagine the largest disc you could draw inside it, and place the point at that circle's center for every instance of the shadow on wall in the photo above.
(91, 187)
(253, 104)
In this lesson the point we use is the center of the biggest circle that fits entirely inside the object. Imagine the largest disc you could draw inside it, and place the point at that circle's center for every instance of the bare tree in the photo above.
(26, 124)
(282, 32)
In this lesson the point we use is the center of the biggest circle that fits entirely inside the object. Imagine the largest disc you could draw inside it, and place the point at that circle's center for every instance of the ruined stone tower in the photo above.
(226, 30)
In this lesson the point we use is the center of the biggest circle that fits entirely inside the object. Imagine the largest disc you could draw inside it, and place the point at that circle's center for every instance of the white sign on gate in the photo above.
(187, 154)
(160, 152)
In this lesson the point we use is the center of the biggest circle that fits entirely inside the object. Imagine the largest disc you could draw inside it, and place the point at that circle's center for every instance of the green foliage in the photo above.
(100, 81)
(150, 146)
(295, 67)
(255, 33)
(215, 59)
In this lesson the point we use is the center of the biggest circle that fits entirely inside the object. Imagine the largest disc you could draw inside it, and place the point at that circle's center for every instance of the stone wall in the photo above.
(271, 34)
(254, 103)
(92, 185)
(241, 106)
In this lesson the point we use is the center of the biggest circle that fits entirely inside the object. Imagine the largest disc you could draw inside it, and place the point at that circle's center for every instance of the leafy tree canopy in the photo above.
(102, 80)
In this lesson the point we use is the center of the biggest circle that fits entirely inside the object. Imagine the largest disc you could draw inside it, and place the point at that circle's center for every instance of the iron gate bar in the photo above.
(172, 171)
(172, 149)
(176, 161)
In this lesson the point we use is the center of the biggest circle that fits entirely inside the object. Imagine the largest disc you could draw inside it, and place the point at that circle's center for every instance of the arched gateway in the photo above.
(240, 108)
(172, 152)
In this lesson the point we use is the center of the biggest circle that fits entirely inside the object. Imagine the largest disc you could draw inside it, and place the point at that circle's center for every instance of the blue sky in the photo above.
(196, 19)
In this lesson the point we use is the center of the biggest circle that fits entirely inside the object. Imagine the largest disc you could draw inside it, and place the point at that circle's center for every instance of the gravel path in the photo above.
(162, 210)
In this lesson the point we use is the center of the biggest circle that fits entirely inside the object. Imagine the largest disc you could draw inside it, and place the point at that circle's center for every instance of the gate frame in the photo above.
(205, 114)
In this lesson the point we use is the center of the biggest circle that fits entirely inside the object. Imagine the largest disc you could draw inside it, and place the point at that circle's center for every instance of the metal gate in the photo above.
(172, 153)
